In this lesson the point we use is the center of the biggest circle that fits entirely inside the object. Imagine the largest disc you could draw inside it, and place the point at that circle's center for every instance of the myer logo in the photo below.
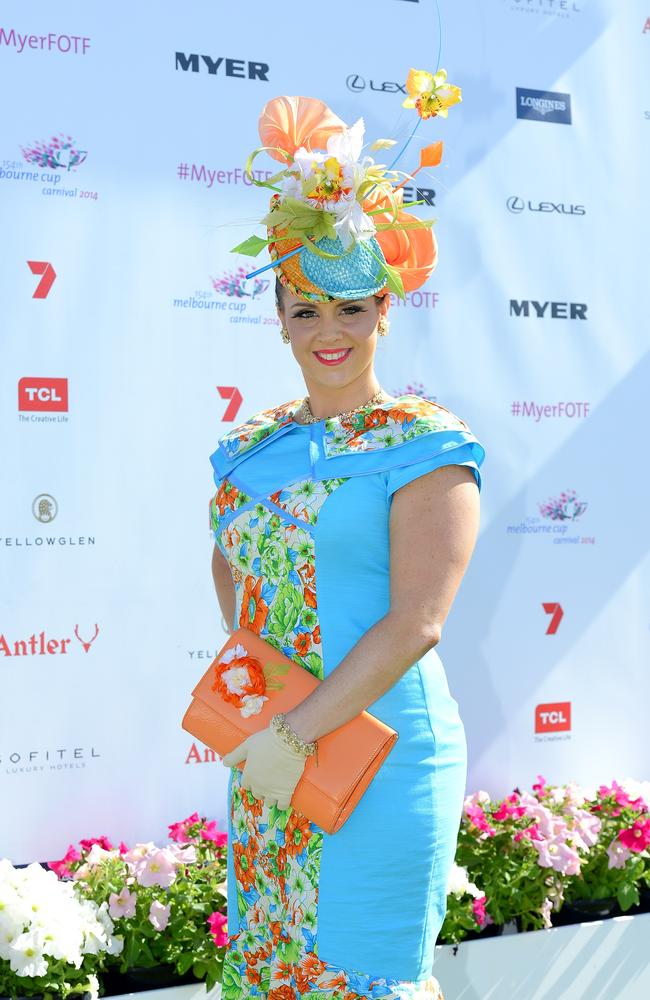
(544, 106)
(43, 394)
(517, 205)
(550, 310)
(241, 69)
(554, 717)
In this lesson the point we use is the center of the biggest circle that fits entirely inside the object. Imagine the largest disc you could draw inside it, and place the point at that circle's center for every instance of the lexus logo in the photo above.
(357, 83)
(516, 205)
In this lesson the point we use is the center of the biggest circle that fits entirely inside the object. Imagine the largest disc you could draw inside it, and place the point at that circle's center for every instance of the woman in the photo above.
(344, 522)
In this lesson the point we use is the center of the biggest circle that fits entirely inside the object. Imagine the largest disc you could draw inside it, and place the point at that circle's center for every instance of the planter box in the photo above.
(600, 958)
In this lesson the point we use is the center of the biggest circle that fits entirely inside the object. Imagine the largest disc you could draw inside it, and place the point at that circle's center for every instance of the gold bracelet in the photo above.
(284, 730)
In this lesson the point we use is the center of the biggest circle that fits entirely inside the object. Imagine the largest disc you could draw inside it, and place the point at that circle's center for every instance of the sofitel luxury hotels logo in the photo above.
(53, 759)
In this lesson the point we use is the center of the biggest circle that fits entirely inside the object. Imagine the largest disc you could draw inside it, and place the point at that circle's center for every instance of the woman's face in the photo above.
(333, 342)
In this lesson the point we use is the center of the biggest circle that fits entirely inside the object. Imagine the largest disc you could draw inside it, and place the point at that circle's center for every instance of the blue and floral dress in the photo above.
(301, 513)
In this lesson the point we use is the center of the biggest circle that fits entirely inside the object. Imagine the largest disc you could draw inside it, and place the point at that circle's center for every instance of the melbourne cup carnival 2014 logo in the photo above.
(59, 153)
(234, 284)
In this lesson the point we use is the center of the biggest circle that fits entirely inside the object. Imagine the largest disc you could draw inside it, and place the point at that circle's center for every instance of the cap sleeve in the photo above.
(470, 454)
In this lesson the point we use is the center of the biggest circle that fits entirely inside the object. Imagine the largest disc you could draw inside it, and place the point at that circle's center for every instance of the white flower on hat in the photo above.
(331, 181)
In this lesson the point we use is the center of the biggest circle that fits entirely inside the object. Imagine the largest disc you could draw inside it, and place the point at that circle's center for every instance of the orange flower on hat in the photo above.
(292, 122)
(413, 252)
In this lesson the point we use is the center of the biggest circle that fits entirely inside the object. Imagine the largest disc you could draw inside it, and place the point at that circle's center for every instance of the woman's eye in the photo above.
(351, 310)
(305, 314)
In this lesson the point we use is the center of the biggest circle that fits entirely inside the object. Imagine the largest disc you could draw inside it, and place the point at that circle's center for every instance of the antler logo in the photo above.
(86, 645)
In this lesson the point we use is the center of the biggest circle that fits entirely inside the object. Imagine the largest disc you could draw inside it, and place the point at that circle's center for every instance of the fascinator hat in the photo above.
(337, 226)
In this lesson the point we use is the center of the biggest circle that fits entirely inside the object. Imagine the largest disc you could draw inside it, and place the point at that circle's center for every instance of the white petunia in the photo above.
(26, 954)
(459, 883)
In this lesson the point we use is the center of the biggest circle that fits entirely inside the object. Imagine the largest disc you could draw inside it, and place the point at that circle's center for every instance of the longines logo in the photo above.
(548, 310)
(550, 718)
(40, 645)
(50, 759)
(517, 205)
(544, 106)
(356, 83)
(240, 69)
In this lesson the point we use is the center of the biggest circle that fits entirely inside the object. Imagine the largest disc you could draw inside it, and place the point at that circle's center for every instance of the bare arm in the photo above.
(224, 586)
(434, 524)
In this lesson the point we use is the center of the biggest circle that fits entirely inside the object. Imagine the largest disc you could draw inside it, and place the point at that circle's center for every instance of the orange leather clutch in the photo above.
(245, 685)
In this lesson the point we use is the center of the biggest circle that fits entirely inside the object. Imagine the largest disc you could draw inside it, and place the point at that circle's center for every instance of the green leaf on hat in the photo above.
(251, 247)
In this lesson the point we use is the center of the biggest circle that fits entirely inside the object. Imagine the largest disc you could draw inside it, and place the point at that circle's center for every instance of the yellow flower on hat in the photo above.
(430, 93)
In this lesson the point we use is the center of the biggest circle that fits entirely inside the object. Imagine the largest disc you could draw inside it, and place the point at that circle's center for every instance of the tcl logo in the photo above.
(43, 394)
(555, 717)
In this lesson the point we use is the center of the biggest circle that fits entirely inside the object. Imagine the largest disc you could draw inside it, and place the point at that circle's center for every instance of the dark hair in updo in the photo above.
(278, 292)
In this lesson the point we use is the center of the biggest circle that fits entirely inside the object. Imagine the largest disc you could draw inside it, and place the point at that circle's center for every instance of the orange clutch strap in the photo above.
(247, 683)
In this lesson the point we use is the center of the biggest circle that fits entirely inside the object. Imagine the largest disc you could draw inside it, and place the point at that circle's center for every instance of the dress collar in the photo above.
(382, 425)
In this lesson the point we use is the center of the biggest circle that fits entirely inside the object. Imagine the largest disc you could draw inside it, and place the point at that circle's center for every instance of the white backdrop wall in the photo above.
(121, 193)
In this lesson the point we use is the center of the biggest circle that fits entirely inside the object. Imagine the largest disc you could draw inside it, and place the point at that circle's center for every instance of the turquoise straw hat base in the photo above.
(354, 276)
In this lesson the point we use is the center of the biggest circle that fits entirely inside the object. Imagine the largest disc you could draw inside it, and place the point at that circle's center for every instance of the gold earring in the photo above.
(285, 335)
(383, 326)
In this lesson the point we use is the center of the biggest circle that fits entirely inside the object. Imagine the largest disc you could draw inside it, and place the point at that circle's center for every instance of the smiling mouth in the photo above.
(332, 357)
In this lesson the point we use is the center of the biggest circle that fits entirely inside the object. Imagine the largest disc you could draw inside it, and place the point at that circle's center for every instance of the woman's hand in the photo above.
(272, 769)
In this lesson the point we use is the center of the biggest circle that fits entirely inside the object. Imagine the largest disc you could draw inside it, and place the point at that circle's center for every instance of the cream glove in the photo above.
(272, 769)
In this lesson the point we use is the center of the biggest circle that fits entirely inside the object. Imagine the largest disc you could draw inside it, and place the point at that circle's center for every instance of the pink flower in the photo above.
(557, 854)
(509, 807)
(637, 836)
(217, 924)
(530, 833)
(184, 854)
(122, 905)
(62, 868)
(617, 854)
(178, 831)
(159, 914)
(540, 785)
(158, 868)
(103, 842)
(476, 815)
(210, 832)
(478, 909)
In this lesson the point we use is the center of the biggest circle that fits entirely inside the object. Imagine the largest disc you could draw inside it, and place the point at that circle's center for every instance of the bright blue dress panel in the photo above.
(383, 875)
